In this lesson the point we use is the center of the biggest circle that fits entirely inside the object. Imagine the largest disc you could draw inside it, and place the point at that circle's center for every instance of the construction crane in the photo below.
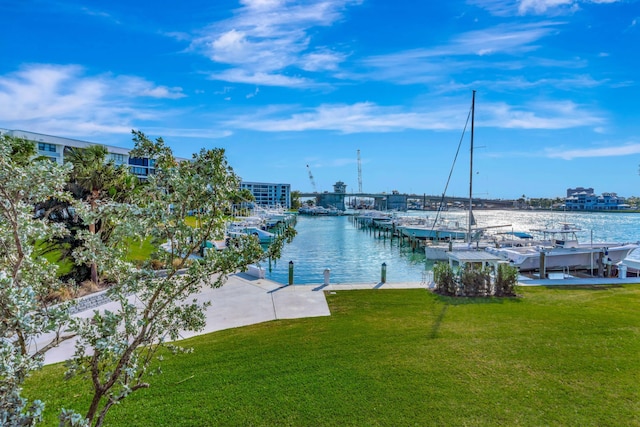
(313, 182)
(359, 174)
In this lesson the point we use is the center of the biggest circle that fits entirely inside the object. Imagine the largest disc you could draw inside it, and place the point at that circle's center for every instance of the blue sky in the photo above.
(285, 84)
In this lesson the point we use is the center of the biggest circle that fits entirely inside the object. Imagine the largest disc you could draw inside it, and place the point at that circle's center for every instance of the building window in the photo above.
(137, 161)
(118, 158)
(43, 146)
(139, 171)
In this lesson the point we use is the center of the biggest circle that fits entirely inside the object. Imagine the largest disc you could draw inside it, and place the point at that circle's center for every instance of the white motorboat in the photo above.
(562, 250)
(630, 265)
(441, 231)
(262, 235)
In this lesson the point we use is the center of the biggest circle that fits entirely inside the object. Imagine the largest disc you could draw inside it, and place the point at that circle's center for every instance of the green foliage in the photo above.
(25, 278)
(115, 349)
(444, 278)
(506, 280)
(295, 199)
(20, 150)
(475, 281)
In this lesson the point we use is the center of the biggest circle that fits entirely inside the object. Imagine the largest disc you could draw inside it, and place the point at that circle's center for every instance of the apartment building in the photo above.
(55, 147)
(268, 194)
(585, 199)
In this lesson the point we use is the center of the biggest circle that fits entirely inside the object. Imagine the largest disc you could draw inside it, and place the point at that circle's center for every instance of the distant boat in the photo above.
(434, 232)
(319, 210)
(239, 229)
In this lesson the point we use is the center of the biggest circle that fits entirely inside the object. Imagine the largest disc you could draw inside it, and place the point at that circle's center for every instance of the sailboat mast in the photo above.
(473, 109)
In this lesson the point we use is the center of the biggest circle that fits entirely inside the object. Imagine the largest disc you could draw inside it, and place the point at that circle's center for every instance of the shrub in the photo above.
(444, 279)
(475, 282)
(506, 280)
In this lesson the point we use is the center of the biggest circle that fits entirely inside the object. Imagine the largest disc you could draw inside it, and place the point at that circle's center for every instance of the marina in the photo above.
(354, 252)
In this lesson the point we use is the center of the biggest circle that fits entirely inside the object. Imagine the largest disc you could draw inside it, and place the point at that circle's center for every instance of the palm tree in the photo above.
(94, 179)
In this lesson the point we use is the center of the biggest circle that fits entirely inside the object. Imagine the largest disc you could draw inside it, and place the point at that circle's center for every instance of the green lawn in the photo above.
(140, 250)
(402, 357)
(64, 265)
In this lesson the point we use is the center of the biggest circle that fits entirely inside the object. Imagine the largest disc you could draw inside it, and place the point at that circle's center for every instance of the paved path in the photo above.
(242, 301)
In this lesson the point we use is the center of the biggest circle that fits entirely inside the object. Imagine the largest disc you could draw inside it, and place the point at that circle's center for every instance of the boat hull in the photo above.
(528, 258)
(433, 234)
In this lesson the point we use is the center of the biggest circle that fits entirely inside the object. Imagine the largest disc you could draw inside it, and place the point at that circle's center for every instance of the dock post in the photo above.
(543, 265)
(327, 274)
(291, 272)
(383, 273)
(601, 264)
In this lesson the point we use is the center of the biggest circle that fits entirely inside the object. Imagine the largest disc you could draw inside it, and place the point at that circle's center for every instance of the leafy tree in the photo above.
(295, 199)
(115, 349)
(25, 279)
(96, 180)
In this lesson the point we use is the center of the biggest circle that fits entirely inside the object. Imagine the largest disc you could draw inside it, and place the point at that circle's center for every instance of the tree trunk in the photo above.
(92, 230)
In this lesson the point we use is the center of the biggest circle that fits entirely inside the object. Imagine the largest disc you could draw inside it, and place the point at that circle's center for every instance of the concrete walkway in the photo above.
(242, 301)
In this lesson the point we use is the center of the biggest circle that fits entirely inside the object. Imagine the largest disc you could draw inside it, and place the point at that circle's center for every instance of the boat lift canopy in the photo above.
(479, 259)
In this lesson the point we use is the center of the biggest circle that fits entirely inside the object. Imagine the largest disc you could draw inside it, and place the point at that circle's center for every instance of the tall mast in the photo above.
(473, 108)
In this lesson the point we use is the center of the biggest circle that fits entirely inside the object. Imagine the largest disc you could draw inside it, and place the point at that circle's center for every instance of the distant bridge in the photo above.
(403, 199)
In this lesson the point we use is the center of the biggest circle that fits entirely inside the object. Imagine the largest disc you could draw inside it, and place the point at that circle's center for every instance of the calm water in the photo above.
(356, 256)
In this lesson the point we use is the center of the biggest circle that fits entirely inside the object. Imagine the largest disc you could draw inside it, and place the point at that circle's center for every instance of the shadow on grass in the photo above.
(436, 324)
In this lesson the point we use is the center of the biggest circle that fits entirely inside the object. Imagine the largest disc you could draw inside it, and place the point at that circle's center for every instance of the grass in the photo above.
(64, 265)
(554, 356)
(140, 251)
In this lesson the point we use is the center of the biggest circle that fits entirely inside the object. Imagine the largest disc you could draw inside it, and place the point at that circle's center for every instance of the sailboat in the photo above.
(473, 236)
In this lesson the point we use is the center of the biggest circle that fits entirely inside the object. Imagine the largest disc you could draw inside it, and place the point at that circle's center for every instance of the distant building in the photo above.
(572, 191)
(269, 195)
(585, 199)
(55, 148)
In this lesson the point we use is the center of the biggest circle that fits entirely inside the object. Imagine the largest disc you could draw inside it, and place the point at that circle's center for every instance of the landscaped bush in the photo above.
(474, 282)
(444, 278)
(506, 280)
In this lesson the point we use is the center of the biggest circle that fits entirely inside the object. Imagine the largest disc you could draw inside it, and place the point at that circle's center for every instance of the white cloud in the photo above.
(464, 53)
(62, 99)
(237, 75)
(359, 117)
(136, 86)
(540, 115)
(542, 6)
(321, 60)
(266, 37)
(502, 39)
(369, 117)
(623, 150)
(252, 94)
(536, 7)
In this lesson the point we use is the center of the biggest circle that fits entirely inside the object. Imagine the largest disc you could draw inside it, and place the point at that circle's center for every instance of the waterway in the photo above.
(356, 255)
